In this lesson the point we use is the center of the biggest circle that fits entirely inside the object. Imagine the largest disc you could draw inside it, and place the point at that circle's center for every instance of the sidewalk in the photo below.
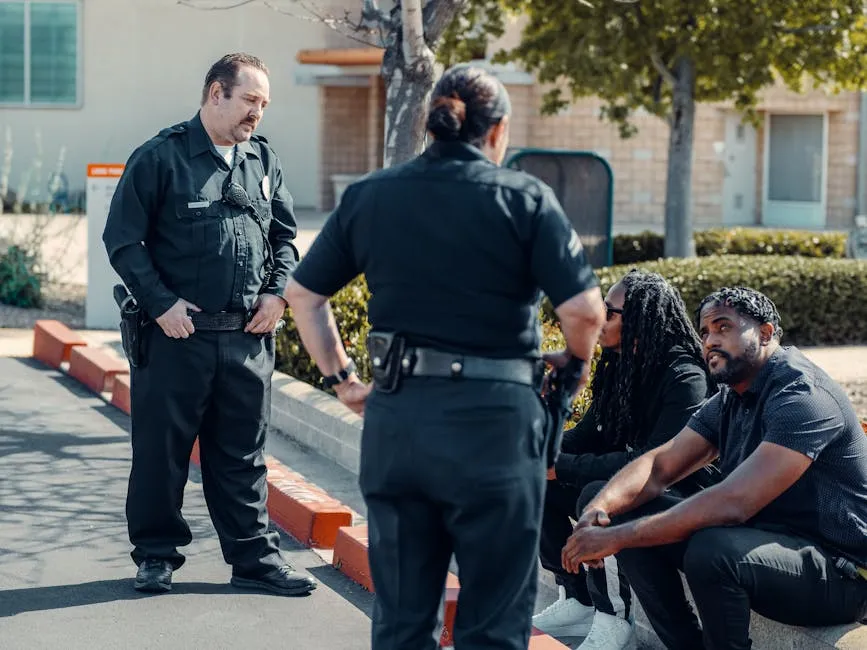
(65, 572)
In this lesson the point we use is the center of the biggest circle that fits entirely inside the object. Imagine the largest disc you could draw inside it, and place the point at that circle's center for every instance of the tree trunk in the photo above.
(408, 71)
(678, 195)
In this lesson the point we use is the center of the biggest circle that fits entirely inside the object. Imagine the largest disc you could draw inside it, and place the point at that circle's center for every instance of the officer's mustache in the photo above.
(251, 121)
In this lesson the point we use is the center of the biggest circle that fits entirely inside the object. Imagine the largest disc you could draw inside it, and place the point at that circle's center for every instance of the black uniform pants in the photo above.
(731, 571)
(589, 587)
(216, 385)
(453, 467)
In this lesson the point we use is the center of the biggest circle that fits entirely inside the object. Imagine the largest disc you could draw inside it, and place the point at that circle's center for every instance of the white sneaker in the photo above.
(565, 617)
(609, 633)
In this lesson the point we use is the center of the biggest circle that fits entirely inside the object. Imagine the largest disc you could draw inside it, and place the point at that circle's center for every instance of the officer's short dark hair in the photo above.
(226, 72)
(466, 102)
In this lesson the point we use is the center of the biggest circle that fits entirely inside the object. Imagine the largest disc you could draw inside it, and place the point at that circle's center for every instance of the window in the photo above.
(39, 52)
(795, 158)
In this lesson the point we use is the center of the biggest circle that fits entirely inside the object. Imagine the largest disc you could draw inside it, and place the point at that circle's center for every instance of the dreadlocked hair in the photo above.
(746, 302)
(656, 320)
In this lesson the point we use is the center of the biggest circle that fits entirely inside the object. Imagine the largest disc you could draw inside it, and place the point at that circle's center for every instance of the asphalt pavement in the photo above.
(65, 572)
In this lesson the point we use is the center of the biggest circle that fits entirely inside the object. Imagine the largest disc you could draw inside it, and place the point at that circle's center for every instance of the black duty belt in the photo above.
(426, 362)
(224, 321)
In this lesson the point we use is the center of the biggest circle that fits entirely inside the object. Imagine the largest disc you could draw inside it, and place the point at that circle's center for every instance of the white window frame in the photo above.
(79, 58)
(823, 203)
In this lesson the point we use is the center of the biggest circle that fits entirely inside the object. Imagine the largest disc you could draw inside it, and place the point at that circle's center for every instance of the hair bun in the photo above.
(447, 116)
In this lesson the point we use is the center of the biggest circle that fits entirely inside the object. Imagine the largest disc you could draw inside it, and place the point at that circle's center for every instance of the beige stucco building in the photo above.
(97, 77)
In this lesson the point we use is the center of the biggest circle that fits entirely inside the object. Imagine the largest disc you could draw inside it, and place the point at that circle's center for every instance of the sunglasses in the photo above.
(610, 311)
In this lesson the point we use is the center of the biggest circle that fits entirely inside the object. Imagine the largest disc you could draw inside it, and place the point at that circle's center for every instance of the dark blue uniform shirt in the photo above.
(454, 249)
(795, 404)
(170, 235)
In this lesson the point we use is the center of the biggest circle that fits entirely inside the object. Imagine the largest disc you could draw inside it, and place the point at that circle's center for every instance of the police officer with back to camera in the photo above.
(201, 231)
(455, 250)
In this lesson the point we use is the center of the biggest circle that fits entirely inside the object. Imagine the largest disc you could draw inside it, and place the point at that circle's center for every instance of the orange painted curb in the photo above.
(53, 342)
(303, 510)
(120, 395)
(350, 555)
(541, 641)
(95, 369)
(450, 610)
(195, 455)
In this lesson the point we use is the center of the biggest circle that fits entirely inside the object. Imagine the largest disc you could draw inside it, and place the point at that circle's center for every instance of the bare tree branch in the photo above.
(663, 70)
(414, 46)
(373, 17)
(193, 5)
(438, 14)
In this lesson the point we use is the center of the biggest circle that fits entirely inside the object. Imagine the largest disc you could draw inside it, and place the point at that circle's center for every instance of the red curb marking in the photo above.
(95, 368)
(53, 342)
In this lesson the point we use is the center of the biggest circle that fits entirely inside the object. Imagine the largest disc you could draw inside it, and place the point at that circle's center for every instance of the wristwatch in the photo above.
(343, 375)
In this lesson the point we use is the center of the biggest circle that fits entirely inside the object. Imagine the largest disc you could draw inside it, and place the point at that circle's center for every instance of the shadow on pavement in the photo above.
(33, 599)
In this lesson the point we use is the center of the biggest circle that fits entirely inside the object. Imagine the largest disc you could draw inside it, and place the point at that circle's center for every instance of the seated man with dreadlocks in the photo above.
(784, 532)
(644, 391)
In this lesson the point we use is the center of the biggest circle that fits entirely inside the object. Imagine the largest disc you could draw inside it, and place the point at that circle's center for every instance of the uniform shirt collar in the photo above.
(454, 150)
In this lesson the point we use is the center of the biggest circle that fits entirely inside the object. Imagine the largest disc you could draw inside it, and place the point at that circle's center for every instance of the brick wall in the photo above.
(345, 126)
(353, 122)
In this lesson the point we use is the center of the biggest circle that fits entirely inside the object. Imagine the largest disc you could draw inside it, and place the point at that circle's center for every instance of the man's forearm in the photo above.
(632, 486)
(320, 336)
(704, 510)
(135, 267)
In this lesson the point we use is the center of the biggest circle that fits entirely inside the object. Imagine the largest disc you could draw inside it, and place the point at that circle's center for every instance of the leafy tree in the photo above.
(665, 55)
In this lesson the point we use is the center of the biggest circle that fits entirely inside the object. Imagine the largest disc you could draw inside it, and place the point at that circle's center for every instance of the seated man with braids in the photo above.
(644, 392)
(784, 533)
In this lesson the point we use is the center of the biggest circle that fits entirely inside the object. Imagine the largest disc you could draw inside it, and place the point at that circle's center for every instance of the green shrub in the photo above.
(648, 246)
(20, 282)
(821, 302)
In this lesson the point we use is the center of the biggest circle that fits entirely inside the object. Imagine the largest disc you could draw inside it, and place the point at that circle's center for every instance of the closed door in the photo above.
(739, 184)
(795, 171)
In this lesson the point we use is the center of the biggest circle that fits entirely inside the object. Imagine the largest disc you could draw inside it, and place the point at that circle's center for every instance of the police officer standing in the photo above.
(455, 250)
(200, 229)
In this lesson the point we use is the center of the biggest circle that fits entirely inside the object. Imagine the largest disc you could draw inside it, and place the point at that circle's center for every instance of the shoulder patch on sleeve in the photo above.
(575, 246)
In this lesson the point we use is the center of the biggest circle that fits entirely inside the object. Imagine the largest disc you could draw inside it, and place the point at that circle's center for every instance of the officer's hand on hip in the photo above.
(269, 309)
(353, 393)
(559, 359)
(176, 323)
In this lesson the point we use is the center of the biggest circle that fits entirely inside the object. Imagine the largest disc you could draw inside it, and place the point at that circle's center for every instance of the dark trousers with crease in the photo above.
(453, 467)
(731, 571)
(217, 386)
(589, 587)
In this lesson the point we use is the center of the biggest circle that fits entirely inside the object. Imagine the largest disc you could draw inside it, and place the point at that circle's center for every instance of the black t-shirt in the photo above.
(455, 251)
(795, 404)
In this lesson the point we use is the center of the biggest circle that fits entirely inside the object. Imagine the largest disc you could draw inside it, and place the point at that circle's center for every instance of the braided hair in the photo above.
(746, 302)
(655, 319)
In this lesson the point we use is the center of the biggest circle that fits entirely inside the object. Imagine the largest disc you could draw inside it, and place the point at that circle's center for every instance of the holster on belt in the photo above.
(562, 384)
(132, 322)
(386, 352)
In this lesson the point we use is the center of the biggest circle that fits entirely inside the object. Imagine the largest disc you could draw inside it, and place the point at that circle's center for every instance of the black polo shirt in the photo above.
(170, 235)
(795, 404)
(455, 251)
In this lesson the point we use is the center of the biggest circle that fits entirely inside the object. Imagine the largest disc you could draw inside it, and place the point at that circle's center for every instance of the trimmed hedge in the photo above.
(647, 246)
(20, 282)
(821, 302)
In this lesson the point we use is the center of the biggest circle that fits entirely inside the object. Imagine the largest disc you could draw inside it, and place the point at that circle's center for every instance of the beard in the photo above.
(735, 369)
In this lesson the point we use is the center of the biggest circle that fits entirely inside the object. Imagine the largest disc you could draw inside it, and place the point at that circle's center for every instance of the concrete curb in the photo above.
(300, 508)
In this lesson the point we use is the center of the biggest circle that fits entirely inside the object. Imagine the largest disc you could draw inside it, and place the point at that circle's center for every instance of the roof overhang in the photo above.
(354, 66)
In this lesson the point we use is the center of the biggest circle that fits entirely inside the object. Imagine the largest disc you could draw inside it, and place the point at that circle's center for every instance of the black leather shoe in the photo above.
(154, 576)
(284, 581)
